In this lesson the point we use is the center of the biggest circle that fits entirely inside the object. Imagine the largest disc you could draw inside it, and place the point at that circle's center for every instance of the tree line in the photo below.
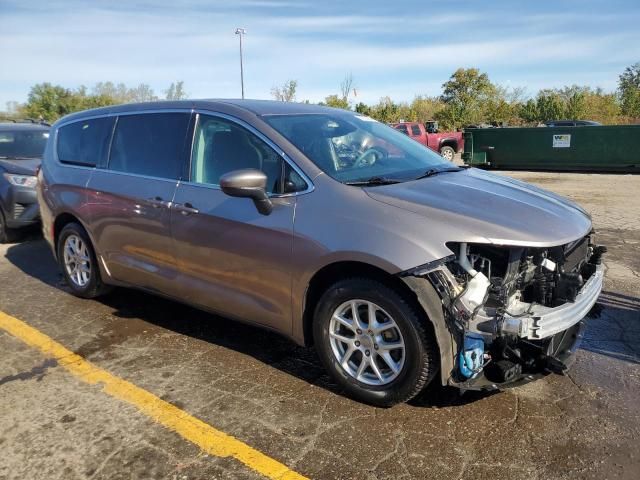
(468, 97)
(49, 102)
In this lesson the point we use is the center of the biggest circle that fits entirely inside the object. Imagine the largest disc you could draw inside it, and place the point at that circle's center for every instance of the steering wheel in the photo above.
(369, 157)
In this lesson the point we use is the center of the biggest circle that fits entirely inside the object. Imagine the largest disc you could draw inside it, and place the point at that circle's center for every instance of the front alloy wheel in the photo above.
(367, 342)
(374, 340)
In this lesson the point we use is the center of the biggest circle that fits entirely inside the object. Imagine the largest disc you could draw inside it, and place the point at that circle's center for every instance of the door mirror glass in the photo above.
(248, 183)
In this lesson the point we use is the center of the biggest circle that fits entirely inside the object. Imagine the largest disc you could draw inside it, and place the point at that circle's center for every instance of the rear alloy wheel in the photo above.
(78, 262)
(373, 342)
(447, 153)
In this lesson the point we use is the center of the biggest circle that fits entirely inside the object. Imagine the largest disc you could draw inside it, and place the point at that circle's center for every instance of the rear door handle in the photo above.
(186, 209)
(157, 202)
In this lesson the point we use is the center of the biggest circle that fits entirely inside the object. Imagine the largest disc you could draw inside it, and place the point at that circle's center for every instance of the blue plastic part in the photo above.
(471, 358)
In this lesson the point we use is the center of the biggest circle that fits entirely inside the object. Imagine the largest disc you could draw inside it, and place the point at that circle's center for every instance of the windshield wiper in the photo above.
(373, 181)
(435, 171)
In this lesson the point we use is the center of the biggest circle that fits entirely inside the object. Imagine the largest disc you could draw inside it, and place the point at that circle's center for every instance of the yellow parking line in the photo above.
(209, 439)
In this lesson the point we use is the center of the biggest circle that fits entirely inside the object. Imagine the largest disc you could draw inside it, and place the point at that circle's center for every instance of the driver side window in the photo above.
(221, 146)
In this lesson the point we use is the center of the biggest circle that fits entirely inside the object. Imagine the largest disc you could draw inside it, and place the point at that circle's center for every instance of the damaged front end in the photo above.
(512, 313)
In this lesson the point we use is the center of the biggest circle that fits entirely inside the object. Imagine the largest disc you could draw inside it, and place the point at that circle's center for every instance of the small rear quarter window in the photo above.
(85, 142)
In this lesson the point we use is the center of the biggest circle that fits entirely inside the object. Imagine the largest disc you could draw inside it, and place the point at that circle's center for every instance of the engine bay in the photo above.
(516, 311)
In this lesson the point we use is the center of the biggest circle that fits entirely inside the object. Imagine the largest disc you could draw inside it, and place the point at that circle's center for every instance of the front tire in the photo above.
(7, 235)
(447, 153)
(373, 342)
(78, 262)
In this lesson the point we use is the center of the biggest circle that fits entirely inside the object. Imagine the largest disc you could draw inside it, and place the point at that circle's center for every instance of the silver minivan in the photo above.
(330, 228)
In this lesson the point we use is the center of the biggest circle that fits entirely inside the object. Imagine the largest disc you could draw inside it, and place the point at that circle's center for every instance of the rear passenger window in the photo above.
(150, 144)
(85, 142)
(415, 130)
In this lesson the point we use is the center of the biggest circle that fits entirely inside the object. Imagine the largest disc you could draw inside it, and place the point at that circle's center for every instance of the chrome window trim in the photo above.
(137, 175)
(107, 115)
(122, 114)
(310, 186)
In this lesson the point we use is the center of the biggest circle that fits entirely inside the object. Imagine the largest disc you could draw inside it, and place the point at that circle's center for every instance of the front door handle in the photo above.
(157, 202)
(186, 209)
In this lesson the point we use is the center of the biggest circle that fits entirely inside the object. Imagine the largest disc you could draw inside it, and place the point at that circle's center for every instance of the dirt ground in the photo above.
(275, 396)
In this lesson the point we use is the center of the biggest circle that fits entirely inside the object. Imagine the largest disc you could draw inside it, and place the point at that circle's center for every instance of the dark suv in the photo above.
(572, 123)
(21, 149)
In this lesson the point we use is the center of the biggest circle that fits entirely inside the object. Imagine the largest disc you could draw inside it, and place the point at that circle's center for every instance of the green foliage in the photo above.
(629, 90)
(469, 97)
(50, 102)
(602, 107)
(466, 95)
(424, 109)
(336, 102)
(528, 111)
(550, 106)
(363, 109)
(285, 93)
(386, 111)
(576, 106)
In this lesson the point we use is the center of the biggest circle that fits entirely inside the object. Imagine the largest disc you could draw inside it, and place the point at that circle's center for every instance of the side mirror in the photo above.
(248, 183)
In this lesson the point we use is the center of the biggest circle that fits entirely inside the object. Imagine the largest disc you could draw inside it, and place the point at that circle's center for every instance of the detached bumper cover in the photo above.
(538, 322)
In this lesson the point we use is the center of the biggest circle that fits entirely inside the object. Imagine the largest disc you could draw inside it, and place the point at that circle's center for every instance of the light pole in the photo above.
(241, 32)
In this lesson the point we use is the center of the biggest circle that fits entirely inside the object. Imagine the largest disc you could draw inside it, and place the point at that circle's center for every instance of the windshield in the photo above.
(352, 148)
(22, 143)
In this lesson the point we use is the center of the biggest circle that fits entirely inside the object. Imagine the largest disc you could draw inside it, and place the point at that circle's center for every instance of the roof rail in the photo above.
(26, 120)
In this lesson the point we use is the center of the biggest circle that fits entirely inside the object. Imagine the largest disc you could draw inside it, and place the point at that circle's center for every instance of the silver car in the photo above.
(330, 228)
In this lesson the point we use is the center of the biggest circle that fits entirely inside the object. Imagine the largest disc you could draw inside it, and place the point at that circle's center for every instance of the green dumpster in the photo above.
(585, 148)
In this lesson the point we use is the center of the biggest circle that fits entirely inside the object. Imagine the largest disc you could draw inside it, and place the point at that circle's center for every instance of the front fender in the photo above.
(445, 338)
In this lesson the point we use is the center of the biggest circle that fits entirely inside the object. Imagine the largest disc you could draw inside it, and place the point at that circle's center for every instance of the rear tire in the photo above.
(78, 262)
(447, 153)
(391, 373)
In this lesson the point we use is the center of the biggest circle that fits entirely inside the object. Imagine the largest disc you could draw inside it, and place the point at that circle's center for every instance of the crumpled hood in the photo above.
(477, 206)
(25, 166)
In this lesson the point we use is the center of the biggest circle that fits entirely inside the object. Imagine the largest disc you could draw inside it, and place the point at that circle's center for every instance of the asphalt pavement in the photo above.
(110, 388)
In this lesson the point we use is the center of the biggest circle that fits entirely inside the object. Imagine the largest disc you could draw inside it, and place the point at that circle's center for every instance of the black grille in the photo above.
(18, 210)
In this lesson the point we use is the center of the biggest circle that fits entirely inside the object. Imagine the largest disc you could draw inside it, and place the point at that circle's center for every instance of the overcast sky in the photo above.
(392, 48)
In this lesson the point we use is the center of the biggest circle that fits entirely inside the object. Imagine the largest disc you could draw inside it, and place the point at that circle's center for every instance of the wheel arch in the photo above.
(62, 219)
(430, 308)
(448, 142)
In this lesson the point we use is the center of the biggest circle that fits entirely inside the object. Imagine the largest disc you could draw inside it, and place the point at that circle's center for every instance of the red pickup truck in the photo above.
(445, 143)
